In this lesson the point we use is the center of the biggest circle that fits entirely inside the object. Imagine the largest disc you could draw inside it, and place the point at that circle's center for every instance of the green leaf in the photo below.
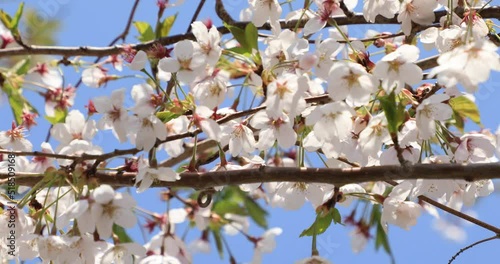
(337, 218)
(240, 36)
(59, 116)
(320, 225)
(145, 31)
(166, 116)
(256, 212)
(251, 37)
(228, 206)
(167, 24)
(16, 100)
(17, 17)
(122, 235)
(466, 108)
(459, 121)
(5, 18)
(394, 112)
(218, 242)
(22, 67)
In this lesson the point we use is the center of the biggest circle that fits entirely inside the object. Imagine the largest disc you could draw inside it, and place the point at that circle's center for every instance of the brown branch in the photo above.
(125, 32)
(471, 172)
(196, 13)
(490, 12)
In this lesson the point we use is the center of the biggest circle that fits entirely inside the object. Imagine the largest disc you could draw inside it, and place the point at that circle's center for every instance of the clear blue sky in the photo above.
(98, 22)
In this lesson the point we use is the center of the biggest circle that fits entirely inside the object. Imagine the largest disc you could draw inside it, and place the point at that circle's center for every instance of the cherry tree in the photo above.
(279, 107)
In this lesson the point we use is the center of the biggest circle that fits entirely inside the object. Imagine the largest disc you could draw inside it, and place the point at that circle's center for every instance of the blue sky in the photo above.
(96, 23)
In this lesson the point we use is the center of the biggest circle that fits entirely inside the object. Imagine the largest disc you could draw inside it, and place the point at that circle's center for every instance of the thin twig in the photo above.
(196, 13)
(472, 245)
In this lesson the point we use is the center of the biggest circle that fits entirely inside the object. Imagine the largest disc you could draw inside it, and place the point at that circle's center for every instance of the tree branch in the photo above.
(357, 19)
(471, 172)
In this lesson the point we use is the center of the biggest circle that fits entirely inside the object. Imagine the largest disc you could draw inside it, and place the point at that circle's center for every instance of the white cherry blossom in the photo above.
(429, 111)
(468, 65)
(418, 11)
(15, 139)
(373, 8)
(263, 10)
(213, 89)
(147, 175)
(272, 129)
(115, 115)
(350, 81)
(111, 207)
(189, 61)
(399, 212)
(239, 137)
(266, 243)
(209, 40)
(75, 127)
(398, 67)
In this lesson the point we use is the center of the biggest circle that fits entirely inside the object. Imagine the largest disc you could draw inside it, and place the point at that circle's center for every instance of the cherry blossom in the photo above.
(350, 81)
(175, 126)
(111, 207)
(148, 175)
(15, 139)
(239, 137)
(372, 8)
(189, 61)
(468, 65)
(209, 40)
(398, 67)
(146, 100)
(429, 111)
(286, 93)
(50, 76)
(6, 37)
(375, 133)
(417, 11)
(147, 129)
(212, 90)
(319, 19)
(59, 99)
(272, 129)
(75, 127)
(123, 253)
(266, 243)
(399, 212)
(139, 61)
(474, 148)
(262, 10)
(115, 115)
(333, 115)
(39, 163)
(202, 119)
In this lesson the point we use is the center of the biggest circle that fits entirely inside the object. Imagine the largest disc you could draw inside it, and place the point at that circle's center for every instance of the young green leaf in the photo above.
(251, 36)
(218, 241)
(394, 112)
(122, 235)
(145, 31)
(256, 212)
(166, 116)
(14, 23)
(465, 108)
(240, 36)
(320, 225)
(167, 24)
(59, 116)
